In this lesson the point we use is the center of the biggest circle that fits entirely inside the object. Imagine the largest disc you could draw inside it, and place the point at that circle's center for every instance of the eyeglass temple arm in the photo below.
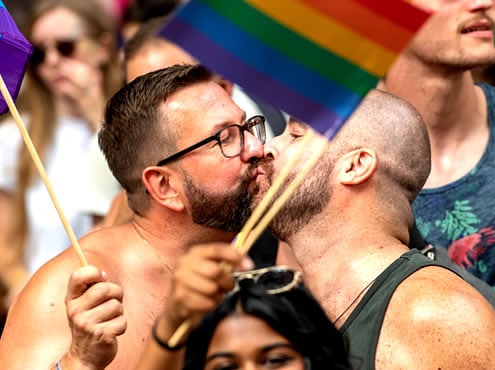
(185, 151)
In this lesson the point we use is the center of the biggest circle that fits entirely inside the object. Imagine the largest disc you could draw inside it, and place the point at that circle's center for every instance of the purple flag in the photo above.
(15, 51)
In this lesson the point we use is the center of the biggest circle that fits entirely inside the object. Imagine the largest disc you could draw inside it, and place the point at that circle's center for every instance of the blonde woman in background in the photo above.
(73, 70)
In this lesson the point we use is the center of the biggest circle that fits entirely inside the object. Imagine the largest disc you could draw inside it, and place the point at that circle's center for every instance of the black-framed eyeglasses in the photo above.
(65, 48)
(274, 279)
(230, 139)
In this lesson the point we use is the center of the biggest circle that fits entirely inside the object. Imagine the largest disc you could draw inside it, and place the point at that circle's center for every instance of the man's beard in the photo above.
(310, 198)
(227, 212)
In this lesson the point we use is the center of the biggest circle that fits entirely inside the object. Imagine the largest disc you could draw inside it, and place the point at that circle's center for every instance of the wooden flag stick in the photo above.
(41, 170)
(248, 237)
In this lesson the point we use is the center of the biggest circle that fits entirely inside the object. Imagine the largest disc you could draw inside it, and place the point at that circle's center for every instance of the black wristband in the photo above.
(163, 344)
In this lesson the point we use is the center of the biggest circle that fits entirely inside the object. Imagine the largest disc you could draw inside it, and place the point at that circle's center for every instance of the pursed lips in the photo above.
(260, 176)
(257, 172)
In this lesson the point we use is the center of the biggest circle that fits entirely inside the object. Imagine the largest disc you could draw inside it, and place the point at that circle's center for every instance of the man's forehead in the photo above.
(201, 93)
(204, 102)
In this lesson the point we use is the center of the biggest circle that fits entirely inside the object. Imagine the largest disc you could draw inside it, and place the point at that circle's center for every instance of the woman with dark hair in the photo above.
(268, 321)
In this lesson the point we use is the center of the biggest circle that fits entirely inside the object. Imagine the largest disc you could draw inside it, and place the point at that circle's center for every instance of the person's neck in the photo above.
(445, 98)
(453, 108)
(340, 261)
(172, 238)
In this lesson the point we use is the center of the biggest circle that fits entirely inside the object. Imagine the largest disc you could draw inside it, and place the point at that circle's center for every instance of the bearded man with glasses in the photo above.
(200, 192)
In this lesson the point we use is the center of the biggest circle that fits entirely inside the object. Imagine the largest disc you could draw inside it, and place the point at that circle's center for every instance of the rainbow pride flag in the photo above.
(314, 59)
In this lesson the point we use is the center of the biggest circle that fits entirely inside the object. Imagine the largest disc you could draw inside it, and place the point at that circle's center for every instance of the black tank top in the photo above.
(362, 328)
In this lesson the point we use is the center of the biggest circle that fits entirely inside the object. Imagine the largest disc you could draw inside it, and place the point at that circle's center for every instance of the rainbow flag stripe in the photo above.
(314, 59)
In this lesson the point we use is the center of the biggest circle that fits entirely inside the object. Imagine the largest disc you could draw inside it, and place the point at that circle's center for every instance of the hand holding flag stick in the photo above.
(41, 170)
(258, 220)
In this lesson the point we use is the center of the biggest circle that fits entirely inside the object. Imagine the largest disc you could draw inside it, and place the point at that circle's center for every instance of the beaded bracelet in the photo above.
(163, 344)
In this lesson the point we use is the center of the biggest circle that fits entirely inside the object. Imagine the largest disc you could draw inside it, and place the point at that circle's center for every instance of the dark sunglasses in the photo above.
(65, 48)
(274, 279)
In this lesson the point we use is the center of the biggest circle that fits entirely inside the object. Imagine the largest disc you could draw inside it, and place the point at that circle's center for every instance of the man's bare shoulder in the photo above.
(113, 249)
(434, 290)
(37, 333)
(437, 320)
(104, 241)
(36, 330)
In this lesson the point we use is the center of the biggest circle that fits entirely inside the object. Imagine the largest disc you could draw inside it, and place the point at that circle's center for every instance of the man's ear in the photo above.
(357, 166)
(160, 184)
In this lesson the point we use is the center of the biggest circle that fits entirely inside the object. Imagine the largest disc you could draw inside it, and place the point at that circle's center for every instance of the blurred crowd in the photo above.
(75, 68)
(86, 51)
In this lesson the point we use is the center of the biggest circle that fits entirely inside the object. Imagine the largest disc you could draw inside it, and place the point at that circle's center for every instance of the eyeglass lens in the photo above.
(231, 138)
(64, 47)
(256, 126)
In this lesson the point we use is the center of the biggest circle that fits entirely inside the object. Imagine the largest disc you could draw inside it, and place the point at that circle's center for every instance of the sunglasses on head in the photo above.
(64, 48)
(274, 279)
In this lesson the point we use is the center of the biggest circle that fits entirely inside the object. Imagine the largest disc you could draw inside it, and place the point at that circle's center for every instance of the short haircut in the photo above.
(395, 130)
(136, 134)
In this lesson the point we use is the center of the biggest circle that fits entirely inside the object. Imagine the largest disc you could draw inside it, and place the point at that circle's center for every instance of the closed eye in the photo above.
(295, 135)
(277, 361)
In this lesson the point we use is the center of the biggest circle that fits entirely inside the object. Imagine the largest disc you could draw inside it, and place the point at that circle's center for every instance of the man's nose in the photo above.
(253, 147)
(272, 148)
(477, 5)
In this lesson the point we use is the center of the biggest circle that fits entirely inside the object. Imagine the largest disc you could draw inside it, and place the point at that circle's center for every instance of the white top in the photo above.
(65, 165)
(102, 186)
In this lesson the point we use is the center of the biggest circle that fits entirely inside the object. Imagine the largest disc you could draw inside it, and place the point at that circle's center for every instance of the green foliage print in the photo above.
(423, 226)
(459, 222)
